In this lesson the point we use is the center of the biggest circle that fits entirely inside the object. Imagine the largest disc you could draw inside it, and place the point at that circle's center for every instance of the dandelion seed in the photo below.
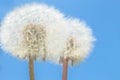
(32, 31)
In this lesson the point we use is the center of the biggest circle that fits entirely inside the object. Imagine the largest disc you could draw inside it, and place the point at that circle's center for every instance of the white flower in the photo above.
(34, 30)
(78, 43)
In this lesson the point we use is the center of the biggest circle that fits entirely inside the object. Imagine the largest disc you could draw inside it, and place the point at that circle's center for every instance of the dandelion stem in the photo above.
(31, 68)
(65, 68)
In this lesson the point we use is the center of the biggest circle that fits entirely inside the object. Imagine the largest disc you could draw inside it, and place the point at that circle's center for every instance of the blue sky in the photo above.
(103, 63)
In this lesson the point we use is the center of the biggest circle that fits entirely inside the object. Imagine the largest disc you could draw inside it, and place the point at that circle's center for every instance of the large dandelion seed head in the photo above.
(34, 30)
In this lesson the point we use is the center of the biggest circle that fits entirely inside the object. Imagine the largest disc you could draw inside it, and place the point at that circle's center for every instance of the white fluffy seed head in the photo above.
(33, 30)
(77, 45)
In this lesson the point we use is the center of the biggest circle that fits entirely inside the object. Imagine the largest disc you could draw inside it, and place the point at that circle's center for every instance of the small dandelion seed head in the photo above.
(79, 42)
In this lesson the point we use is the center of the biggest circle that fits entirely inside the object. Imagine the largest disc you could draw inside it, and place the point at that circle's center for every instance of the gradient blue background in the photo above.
(104, 62)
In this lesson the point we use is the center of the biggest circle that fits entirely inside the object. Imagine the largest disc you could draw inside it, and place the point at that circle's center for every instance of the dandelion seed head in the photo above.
(21, 28)
(79, 42)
